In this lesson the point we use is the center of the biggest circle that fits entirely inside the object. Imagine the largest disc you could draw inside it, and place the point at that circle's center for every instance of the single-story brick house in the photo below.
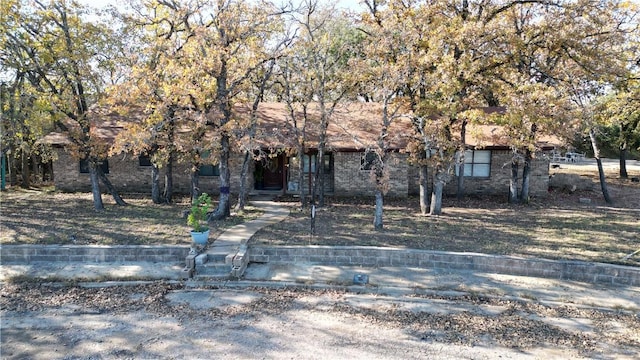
(352, 131)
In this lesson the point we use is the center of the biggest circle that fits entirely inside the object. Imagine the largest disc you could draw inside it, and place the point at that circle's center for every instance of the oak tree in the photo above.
(64, 57)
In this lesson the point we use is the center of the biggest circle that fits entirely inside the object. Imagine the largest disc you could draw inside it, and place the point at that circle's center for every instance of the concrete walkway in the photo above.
(227, 256)
(230, 241)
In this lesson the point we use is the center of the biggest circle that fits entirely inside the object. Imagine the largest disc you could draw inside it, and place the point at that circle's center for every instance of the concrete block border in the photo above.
(337, 255)
(27, 254)
(511, 265)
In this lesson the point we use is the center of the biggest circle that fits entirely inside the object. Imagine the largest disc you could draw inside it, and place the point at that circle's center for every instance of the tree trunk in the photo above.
(13, 168)
(320, 170)
(95, 186)
(436, 196)
(224, 204)
(168, 180)
(168, 174)
(224, 106)
(624, 149)
(526, 171)
(377, 219)
(3, 172)
(623, 161)
(50, 170)
(303, 201)
(26, 170)
(526, 176)
(596, 154)
(603, 184)
(195, 184)
(112, 190)
(318, 179)
(155, 184)
(314, 181)
(513, 182)
(36, 169)
(324, 123)
(460, 182)
(242, 193)
(424, 189)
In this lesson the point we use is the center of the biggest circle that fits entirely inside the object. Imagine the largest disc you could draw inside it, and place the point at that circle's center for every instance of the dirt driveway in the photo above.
(167, 321)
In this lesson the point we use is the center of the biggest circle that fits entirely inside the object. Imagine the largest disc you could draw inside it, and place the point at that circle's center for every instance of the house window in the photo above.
(327, 161)
(369, 160)
(144, 160)
(84, 166)
(477, 163)
(309, 163)
(209, 170)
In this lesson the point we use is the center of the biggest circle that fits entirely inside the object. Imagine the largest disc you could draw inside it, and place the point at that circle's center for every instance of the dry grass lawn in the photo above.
(45, 217)
(557, 227)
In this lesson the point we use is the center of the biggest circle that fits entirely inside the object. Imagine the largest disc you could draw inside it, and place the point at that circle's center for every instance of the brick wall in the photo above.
(380, 257)
(128, 176)
(347, 178)
(350, 180)
(27, 254)
(498, 182)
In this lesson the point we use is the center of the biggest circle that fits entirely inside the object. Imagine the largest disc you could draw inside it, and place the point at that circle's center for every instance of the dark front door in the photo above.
(272, 171)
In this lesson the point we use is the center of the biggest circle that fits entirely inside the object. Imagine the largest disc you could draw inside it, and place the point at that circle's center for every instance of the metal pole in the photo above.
(313, 222)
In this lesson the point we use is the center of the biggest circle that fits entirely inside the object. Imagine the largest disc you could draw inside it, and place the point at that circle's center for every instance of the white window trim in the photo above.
(470, 160)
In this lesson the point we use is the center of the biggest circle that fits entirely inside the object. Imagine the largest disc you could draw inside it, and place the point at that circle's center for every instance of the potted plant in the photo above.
(197, 219)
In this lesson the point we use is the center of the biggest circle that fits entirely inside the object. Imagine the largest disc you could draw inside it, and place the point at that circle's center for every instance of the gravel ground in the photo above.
(165, 321)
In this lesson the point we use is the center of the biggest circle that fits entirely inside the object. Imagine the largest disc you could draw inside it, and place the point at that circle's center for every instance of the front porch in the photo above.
(279, 175)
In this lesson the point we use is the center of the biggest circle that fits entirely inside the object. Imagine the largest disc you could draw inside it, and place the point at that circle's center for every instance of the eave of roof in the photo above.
(353, 126)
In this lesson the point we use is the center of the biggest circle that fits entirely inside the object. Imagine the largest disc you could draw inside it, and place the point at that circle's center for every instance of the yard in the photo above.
(48, 217)
(557, 227)
(152, 320)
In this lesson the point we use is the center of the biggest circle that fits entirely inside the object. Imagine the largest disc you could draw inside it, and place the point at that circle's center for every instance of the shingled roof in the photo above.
(353, 126)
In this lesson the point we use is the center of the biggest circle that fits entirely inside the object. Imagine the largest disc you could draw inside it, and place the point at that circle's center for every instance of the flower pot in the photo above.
(200, 238)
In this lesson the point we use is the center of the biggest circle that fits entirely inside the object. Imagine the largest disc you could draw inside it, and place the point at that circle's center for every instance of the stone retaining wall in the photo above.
(371, 256)
(338, 255)
(26, 254)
